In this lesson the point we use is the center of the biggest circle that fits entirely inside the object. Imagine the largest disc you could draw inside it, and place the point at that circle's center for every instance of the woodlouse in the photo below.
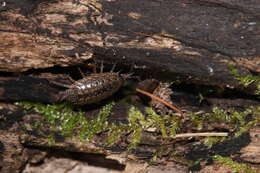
(93, 88)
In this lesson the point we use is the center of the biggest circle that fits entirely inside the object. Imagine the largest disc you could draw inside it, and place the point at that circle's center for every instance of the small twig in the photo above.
(159, 100)
(207, 134)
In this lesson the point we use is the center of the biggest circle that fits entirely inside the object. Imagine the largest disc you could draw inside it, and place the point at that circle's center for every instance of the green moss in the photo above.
(239, 122)
(210, 141)
(115, 133)
(236, 167)
(97, 125)
(167, 125)
(51, 140)
(156, 121)
(247, 127)
(197, 120)
(62, 118)
(138, 122)
(245, 80)
(136, 125)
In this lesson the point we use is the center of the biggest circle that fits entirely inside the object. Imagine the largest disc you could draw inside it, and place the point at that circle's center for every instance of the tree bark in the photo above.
(189, 40)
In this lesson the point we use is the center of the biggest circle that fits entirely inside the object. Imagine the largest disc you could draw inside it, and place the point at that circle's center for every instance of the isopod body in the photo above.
(93, 88)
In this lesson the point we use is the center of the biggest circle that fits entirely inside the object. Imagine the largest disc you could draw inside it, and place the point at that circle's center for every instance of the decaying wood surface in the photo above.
(251, 152)
(192, 41)
(188, 40)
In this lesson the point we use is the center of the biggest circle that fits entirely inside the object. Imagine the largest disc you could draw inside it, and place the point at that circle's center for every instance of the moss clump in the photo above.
(247, 80)
(138, 123)
(166, 125)
(237, 122)
(51, 139)
(61, 118)
(241, 122)
(236, 167)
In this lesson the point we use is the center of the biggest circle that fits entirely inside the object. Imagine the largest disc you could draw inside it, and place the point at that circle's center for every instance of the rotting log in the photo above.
(188, 40)
(192, 41)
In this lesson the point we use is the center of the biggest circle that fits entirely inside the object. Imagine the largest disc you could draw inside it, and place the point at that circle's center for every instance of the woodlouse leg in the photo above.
(60, 84)
(95, 67)
(63, 84)
(113, 68)
(81, 73)
(71, 80)
(101, 67)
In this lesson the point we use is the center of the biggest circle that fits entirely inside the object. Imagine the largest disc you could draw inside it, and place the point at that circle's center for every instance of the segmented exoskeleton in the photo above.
(94, 88)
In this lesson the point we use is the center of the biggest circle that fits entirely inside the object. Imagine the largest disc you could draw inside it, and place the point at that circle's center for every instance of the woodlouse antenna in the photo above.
(130, 76)
(127, 76)
(160, 100)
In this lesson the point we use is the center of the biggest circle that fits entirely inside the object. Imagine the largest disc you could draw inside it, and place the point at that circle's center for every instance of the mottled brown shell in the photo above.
(93, 88)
